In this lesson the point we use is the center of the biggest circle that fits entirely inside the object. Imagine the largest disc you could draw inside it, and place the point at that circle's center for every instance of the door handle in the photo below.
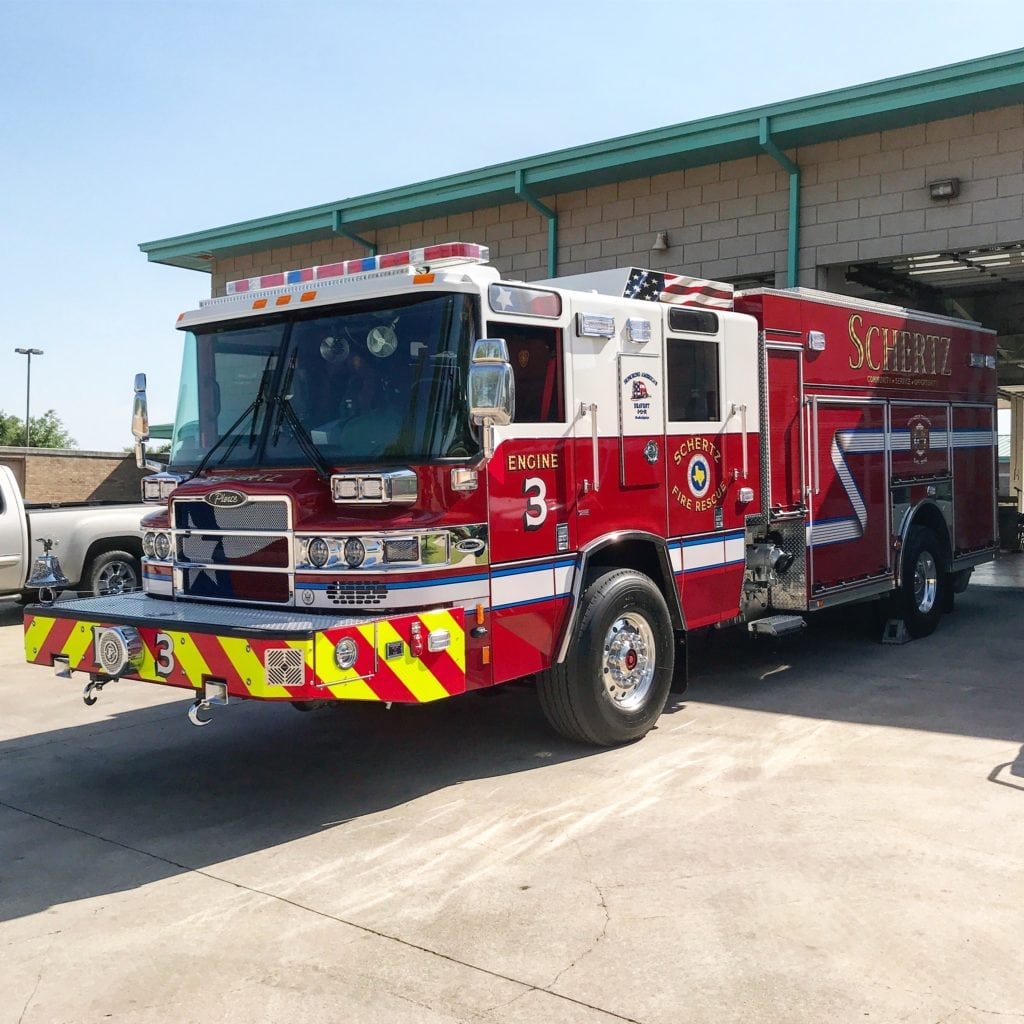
(742, 410)
(592, 409)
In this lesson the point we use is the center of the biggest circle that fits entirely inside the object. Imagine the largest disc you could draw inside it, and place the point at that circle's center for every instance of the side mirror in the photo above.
(492, 391)
(140, 426)
(140, 410)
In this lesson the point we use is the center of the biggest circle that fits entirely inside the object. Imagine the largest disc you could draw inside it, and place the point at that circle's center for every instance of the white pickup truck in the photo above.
(98, 544)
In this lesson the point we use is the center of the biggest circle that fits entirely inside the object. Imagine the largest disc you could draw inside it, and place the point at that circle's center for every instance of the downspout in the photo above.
(524, 193)
(340, 229)
(793, 250)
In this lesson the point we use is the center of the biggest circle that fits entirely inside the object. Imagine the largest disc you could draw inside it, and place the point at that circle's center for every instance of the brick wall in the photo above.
(862, 198)
(51, 474)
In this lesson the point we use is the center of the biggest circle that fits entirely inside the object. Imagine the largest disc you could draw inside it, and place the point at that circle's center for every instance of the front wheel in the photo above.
(922, 593)
(613, 685)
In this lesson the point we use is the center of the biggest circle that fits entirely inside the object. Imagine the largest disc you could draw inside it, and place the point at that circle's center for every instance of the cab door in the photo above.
(619, 441)
(531, 490)
(713, 456)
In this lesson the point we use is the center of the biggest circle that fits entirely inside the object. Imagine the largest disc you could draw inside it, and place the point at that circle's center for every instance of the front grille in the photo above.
(253, 515)
(214, 544)
(214, 549)
(225, 585)
(357, 593)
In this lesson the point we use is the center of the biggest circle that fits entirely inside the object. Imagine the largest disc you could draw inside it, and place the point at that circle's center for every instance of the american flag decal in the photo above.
(655, 286)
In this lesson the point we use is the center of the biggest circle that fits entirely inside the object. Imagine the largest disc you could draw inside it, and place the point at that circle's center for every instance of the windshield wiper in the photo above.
(287, 413)
(302, 435)
(253, 407)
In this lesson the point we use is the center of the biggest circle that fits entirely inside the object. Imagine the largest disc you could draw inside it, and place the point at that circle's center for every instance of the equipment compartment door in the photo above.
(785, 448)
(974, 466)
(846, 442)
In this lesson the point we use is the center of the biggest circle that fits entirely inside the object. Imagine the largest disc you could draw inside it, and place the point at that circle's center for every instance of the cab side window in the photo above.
(537, 366)
(693, 381)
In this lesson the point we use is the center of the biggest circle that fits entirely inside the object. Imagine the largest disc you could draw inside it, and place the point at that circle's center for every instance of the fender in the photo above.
(587, 557)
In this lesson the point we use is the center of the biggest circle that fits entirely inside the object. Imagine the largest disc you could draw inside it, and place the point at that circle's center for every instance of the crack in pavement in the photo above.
(319, 913)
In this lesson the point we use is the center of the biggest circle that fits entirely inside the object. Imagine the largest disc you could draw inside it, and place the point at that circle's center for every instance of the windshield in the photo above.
(362, 383)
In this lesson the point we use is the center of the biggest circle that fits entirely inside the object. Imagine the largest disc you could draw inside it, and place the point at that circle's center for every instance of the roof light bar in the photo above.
(442, 255)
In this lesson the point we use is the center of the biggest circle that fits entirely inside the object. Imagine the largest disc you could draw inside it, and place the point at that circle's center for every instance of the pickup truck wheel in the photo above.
(113, 572)
(615, 680)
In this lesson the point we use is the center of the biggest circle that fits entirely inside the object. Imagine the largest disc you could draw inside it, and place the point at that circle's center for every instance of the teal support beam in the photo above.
(793, 244)
(340, 229)
(545, 211)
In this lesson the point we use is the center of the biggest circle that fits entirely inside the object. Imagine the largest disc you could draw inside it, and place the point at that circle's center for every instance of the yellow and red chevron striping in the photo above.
(385, 668)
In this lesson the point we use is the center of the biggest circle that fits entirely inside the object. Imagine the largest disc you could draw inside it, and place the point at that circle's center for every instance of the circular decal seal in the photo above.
(698, 475)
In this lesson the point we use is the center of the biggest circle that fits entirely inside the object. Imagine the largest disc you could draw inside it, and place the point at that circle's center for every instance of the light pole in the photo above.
(30, 352)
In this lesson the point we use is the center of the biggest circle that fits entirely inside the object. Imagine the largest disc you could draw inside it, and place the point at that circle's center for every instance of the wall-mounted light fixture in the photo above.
(660, 242)
(946, 188)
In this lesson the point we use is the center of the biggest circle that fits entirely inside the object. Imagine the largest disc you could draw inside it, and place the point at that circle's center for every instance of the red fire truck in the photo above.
(401, 478)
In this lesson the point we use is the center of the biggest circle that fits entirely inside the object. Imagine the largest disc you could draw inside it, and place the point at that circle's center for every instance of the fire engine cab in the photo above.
(401, 478)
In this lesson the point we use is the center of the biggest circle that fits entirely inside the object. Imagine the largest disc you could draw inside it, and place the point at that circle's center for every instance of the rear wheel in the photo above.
(922, 593)
(613, 685)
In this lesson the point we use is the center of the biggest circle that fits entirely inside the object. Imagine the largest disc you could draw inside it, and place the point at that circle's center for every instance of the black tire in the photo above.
(113, 572)
(615, 680)
(922, 593)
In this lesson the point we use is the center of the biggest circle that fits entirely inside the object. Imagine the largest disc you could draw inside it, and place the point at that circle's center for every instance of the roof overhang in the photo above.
(968, 87)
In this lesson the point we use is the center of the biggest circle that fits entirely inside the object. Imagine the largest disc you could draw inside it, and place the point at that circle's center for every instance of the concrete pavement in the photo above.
(821, 830)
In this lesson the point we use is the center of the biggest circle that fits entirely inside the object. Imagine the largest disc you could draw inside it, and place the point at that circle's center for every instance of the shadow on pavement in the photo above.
(965, 679)
(261, 775)
(144, 782)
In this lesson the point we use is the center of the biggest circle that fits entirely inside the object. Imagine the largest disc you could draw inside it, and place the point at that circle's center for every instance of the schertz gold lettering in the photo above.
(909, 352)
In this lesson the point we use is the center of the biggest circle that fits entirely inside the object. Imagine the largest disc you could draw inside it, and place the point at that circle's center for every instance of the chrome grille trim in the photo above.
(259, 514)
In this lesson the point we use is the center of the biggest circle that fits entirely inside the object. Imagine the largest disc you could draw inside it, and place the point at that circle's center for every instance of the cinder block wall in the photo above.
(862, 198)
(55, 474)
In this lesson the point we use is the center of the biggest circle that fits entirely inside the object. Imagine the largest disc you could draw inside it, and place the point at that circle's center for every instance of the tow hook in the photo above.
(93, 685)
(215, 691)
(193, 712)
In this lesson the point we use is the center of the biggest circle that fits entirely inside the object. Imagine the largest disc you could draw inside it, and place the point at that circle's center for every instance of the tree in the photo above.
(47, 431)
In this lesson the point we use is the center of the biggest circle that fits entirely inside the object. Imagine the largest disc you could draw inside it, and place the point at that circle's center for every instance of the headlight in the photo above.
(345, 652)
(148, 547)
(354, 551)
(162, 546)
(318, 552)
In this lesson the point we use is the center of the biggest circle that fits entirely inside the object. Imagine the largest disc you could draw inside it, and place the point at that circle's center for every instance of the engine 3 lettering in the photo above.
(532, 460)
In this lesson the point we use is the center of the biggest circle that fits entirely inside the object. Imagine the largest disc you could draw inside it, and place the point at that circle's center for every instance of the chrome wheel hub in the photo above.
(926, 582)
(628, 662)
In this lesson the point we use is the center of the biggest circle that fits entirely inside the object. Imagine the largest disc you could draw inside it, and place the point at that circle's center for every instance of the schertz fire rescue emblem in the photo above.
(920, 433)
(698, 475)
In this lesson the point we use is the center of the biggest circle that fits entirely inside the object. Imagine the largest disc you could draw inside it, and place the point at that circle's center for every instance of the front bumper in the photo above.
(259, 653)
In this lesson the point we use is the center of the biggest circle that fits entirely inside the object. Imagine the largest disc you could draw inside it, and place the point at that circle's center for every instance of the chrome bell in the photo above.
(47, 576)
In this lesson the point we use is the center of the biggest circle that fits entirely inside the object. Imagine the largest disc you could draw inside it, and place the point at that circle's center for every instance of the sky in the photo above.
(123, 123)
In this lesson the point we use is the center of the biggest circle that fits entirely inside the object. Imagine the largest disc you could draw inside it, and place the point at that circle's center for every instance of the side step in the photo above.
(776, 625)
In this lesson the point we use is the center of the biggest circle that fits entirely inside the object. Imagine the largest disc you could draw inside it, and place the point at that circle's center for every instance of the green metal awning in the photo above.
(968, 87)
